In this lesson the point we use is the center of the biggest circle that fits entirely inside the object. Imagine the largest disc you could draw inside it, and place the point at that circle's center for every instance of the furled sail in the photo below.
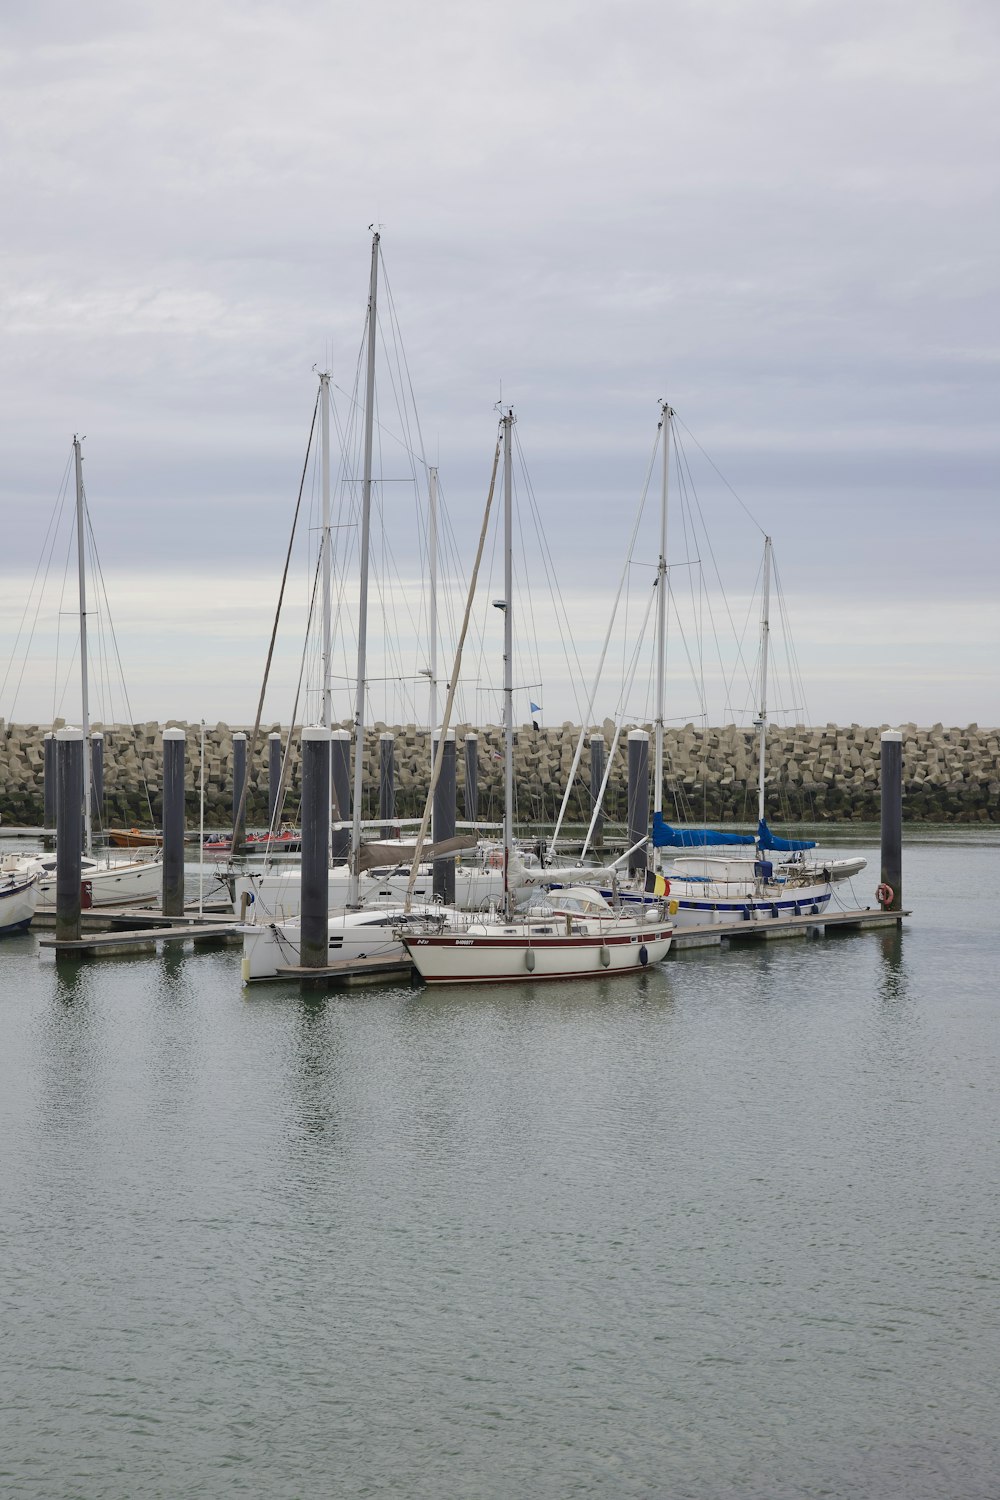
(376, 856)
(768, 840)
(665, 837)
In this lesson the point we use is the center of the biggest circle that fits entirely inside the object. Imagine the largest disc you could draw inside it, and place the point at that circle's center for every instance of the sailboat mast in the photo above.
(366, 507)
(432, 547)
(324, 398)
(661, 615)
(88, 828)
(765, 633)
(508, 643)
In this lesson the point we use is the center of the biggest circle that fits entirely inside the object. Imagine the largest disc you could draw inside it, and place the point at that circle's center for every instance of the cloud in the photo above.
(781, 217)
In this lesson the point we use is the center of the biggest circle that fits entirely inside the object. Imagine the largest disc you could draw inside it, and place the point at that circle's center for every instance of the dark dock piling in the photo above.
(314, 941)
(340, 770)
(892, 817)
(387, 782)
(96, 777)
(596, 780)
(174, 748)
(241, 790)
(273, 774)
(49, 781)
(471, 777)
(69, 802)
(638, 795)
(443, 825)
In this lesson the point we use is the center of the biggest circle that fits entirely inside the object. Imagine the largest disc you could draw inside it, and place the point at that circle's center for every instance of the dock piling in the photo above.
(471, 777)
(49, 781)
(97, 778)
(69, 802)
(174, 747)
(443, 824)
(387, 782)
(241, 790)
(892, 816)
(638, 795)
(314, 940)
(273, 774)
(340, 770)
(596, 781)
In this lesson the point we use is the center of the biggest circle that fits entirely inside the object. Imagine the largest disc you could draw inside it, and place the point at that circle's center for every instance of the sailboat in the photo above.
(573, 934)
(365, 895)
(104, 882)
(706, 888)
(18, 899)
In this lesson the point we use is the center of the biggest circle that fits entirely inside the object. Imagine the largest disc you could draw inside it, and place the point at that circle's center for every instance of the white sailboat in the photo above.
(375, 882)
(105, 881)
(707, 888)
(575, 933)
(18, 899)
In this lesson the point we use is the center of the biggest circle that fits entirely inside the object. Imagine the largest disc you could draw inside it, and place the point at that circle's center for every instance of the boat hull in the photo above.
(18, 903)
(110, 885)
(277, 896)
(353, 936)
(495, 956)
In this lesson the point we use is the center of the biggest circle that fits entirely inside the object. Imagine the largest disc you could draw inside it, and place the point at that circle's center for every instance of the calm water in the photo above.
(726, 1230)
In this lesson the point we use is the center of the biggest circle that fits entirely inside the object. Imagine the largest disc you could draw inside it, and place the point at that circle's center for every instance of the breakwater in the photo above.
(814, 774)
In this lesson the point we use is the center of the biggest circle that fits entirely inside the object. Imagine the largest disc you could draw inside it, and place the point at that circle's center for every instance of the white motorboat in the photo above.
(18, 900)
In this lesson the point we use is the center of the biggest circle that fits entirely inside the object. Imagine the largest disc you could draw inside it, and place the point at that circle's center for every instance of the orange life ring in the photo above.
(884, 895)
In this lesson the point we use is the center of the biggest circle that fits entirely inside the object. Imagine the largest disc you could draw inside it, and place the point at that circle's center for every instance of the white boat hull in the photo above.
(275, 896)
(492, 954)
(268, 947)
(18, 902)
(110, 885)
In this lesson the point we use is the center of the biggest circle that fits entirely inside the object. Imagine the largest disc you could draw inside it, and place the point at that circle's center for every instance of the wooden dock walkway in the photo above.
(685, 940)
(118, 930)
(771, 929)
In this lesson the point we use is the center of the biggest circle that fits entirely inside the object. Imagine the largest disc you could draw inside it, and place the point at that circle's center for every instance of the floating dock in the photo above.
(110, 931)
(347, 972)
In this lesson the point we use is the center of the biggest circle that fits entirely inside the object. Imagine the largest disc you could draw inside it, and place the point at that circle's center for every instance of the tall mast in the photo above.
(324, 399)
(432, 547)
(508, 644)
(765, 632)
(661, 615)
(366, 506)
(88, 829)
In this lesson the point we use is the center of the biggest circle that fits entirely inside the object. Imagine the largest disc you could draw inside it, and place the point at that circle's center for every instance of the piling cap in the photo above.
(891, 736)
(638, 734)
(317, 732)
(69, 732)
(174, 734)
(449, 735)
(336, 734)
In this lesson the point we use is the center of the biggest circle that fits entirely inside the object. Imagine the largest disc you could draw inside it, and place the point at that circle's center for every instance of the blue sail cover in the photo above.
(768, 840)
(665, 837)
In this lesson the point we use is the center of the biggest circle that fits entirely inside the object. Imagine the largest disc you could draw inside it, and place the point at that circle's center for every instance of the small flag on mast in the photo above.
(656, 885)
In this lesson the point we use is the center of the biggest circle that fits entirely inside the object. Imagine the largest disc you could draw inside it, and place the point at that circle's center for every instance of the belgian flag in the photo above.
(656, 885)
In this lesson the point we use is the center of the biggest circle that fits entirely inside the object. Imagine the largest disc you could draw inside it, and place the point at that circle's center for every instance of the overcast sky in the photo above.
(783, 217)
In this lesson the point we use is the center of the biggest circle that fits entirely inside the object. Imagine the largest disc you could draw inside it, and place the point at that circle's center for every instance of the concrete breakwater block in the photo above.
(827, 773)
